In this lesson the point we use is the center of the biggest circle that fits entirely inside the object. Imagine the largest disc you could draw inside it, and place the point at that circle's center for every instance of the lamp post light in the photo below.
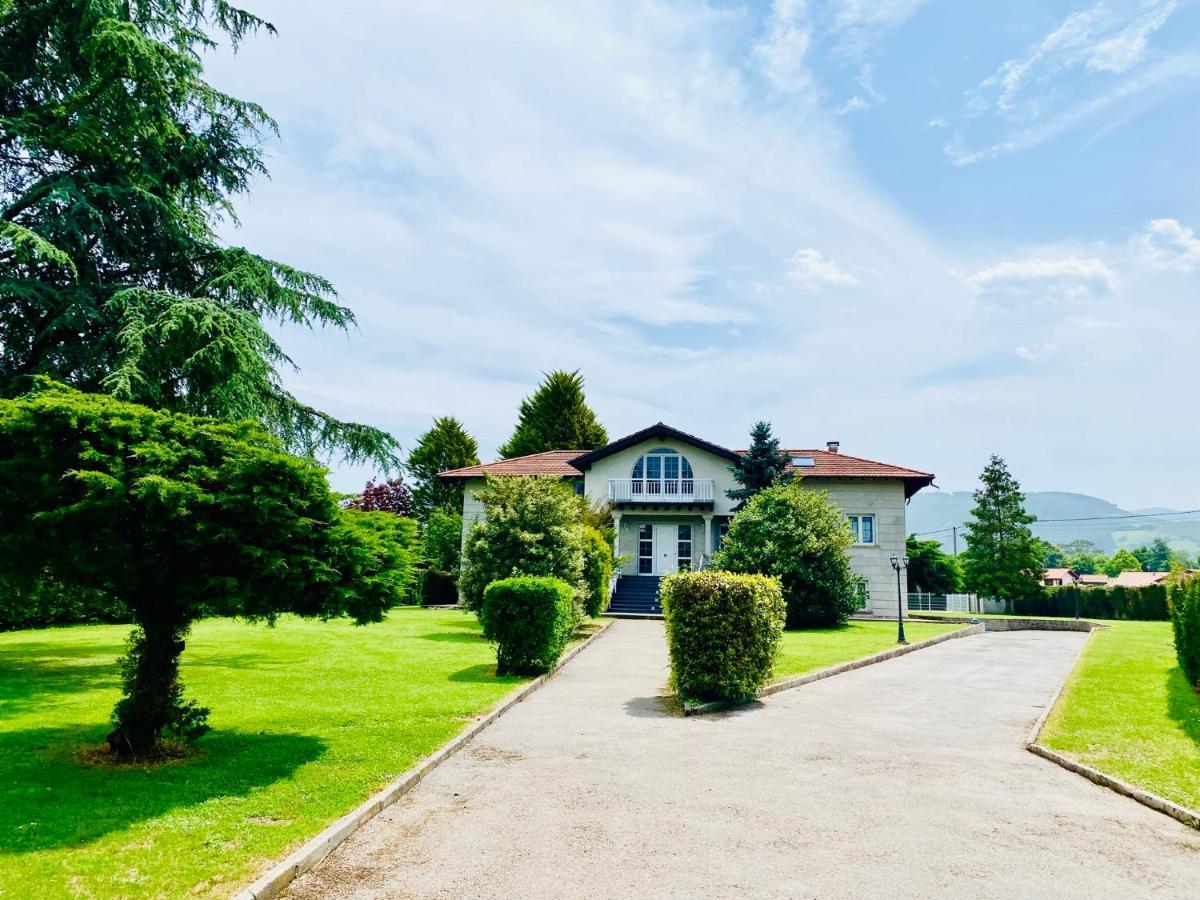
(900, 564)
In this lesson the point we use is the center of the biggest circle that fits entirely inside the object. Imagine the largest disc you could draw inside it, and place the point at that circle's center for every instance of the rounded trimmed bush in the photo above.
(530, 620)
(801, 538)
(723, 632)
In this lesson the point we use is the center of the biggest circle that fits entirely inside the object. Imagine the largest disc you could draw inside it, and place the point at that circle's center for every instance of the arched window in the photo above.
(662, 471)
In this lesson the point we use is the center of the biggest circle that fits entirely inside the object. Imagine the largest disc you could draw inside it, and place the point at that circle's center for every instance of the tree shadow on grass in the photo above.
(1183, 704)
(29, 672)
(50, 799)
(484, 673)
(455, 637)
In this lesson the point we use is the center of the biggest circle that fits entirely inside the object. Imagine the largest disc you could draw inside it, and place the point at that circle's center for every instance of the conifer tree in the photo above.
(763, 465)
(119, 164)
(1003, 559)
(446, 445)
(556, 417)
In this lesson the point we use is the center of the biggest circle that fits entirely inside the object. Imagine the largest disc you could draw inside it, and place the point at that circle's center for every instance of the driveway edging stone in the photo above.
(808, 678)
(309, 854)
(1182, 814)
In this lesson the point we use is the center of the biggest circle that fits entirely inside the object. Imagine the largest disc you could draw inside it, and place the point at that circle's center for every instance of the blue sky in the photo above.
(932, 230)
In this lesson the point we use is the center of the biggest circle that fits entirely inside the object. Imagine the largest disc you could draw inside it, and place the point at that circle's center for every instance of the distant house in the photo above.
(667, 491)
(1099, 579)
(1059, 577)
(1137, 579)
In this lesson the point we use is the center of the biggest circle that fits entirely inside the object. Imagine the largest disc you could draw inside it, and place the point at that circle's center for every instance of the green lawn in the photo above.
(1128, 711)
(818, 648)
(308, 719)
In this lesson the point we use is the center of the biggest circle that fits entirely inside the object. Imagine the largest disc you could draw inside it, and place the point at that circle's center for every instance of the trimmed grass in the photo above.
(308, 719)
(1128, 711)
(818, 648)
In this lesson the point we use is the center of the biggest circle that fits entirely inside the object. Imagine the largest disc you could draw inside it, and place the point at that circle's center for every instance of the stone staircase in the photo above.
(636, 595)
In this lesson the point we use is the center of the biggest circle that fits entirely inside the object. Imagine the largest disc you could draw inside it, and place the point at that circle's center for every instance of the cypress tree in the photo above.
(556, 417)
(446, 445)
(1003, 559)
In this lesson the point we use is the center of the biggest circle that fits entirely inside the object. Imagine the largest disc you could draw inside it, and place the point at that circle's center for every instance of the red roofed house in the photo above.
(1059, 577)
(667, 492)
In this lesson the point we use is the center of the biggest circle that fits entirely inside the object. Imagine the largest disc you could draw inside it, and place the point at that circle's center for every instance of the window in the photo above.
(662, 471)
(803, 462)
(863, 529)
(645, 549)
(685, 548)
(722, 532)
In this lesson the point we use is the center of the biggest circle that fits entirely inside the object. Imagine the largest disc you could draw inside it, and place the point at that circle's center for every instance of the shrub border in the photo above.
(700, 709)
(1182, 814)
(309, 854)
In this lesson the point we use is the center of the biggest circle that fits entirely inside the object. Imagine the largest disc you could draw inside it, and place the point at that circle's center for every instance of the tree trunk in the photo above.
(153, 692)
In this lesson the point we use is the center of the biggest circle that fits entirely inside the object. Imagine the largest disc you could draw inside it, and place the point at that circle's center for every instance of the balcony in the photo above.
(660, 490)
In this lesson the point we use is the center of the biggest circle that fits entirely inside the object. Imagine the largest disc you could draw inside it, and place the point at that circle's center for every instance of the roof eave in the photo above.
(659, 429)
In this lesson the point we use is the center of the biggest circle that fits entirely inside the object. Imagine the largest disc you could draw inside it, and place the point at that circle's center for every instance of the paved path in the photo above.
(904, 779)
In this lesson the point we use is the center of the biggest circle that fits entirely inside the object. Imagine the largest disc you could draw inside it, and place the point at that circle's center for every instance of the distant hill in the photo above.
(934, 510)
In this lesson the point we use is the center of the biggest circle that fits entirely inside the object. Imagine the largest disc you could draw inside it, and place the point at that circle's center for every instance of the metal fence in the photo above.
(920, 601)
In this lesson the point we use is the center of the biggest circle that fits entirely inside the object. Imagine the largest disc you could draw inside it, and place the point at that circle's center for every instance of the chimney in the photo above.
(832, 446)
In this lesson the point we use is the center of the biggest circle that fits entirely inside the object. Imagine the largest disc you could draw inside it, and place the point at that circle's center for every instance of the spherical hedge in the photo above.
(530, 620)
(723, 632)
(801, 538)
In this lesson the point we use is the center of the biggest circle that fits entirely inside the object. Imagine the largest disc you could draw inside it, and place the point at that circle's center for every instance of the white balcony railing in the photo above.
(660, 490)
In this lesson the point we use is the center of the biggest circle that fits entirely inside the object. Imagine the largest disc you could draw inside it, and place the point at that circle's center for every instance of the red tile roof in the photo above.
(1137, 579)
(550, 462)
(827, 464)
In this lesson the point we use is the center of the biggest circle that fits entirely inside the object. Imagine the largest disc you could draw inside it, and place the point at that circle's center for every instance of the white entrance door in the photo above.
(666, 549)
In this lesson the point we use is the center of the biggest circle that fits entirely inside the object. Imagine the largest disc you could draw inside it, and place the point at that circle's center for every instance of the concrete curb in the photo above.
(311, 852)
(1182, 814)
(801, 680)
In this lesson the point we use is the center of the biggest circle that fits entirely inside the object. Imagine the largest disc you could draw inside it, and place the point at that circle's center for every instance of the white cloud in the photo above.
(811, 271)
(1169, 245)
(1067, 279)
(1121, 51)
(1096, 61)
(1037, 352)
(781, 52)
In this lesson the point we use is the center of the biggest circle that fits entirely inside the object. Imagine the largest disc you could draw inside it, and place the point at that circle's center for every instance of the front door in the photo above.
(666, 549)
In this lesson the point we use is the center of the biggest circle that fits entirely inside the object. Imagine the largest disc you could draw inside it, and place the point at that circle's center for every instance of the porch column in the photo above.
(616, 534)
(708, 520)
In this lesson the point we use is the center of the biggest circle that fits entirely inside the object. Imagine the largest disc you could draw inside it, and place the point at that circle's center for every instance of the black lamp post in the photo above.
(899, 564)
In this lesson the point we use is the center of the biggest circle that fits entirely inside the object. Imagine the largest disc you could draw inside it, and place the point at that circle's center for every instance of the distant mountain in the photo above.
(936, 510)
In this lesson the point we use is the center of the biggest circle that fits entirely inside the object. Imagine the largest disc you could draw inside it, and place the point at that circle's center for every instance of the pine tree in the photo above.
(119, 165)
(556, 417)
(763, 465)
(1003, 559)
(446, 445)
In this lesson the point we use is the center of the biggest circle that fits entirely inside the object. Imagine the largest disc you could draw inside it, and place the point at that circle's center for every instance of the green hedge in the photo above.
(1184, 600)
(597, 571)
(530, 620)
(1147, 603)
(723, 632)
(50, 603)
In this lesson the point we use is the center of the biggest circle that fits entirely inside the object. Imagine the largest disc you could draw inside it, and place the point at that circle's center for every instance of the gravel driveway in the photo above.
(904, 779)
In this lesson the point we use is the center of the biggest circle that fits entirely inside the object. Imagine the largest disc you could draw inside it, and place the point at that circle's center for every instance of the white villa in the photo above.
(667, 493)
